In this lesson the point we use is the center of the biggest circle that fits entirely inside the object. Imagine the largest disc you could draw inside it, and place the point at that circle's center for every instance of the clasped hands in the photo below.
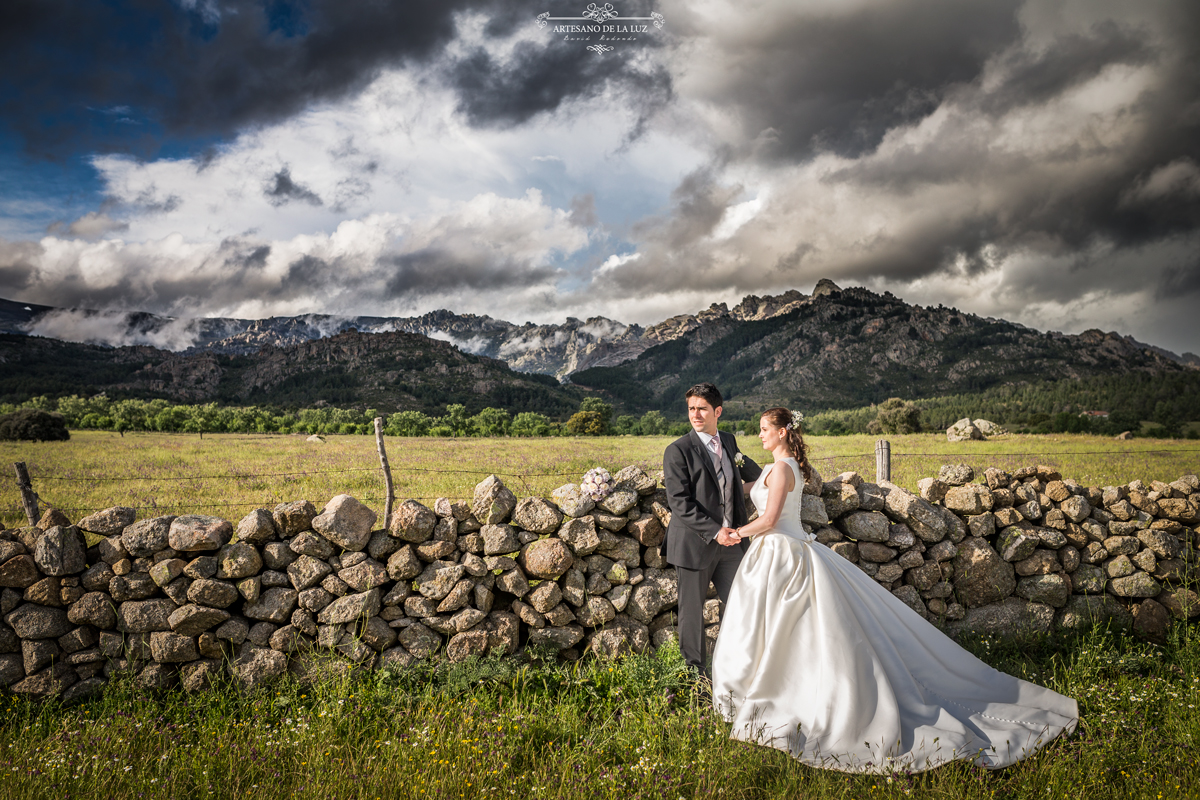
(728, 537)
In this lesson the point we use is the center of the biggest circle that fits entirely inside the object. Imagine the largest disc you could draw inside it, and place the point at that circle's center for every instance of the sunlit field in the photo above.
(229, 474)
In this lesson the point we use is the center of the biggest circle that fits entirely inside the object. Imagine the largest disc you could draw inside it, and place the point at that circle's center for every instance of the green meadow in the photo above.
(227, 475)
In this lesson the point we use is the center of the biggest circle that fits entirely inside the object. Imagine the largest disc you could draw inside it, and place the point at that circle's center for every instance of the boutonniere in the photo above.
(739, 460)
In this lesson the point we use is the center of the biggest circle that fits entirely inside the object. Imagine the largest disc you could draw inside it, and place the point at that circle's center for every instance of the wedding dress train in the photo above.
(816, 658)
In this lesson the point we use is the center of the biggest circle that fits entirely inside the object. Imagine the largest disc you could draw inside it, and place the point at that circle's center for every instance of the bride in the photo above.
(816, 658)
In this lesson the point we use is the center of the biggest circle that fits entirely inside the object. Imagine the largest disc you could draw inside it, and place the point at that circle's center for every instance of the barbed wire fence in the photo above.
(32, 499)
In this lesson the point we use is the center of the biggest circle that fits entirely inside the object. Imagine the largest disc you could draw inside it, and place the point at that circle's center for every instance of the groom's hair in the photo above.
(706, 392)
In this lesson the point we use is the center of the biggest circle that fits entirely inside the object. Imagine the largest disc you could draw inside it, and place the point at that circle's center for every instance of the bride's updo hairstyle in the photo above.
(782, 418)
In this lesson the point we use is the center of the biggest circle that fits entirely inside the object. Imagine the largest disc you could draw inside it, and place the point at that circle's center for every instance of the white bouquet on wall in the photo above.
(597, 483)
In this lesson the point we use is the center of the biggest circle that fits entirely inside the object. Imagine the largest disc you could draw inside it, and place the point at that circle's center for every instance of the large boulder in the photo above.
(109, 521)
(197, 533)
(537, 515)
(32, 621)
(60, 551)
(546, 559)
(1012, 617)
(256, 528)
(964, 431)
(492, 502)
(145, 616)
(346, 522)
(981, 577)
(412, 522)
(147, 537)
(571, 499)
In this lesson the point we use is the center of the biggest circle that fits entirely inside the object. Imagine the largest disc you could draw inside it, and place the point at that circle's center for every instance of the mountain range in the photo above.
(834, 348)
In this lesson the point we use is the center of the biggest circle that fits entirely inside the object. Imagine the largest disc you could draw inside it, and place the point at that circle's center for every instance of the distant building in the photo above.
(1095, 414)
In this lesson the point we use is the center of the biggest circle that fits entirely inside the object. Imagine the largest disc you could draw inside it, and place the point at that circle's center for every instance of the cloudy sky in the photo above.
(1037, 161)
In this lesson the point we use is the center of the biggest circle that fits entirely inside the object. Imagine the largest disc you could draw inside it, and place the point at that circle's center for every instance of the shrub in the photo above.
(33, 424)
(896, 416)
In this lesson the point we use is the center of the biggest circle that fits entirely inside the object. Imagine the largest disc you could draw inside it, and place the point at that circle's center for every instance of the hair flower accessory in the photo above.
(797, 418)
(597, 484)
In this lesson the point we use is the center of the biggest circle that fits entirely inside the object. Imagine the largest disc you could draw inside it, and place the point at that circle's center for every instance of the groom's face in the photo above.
(703, 416)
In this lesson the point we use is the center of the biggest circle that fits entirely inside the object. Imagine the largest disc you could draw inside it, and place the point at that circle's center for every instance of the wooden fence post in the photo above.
(883, 461)
(387, 473)
(29, 497)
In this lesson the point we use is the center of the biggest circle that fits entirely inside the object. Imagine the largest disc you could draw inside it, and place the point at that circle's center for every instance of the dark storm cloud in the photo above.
(212, 69)
(583, 211)
(1179, 282)
(808, 83)
(282, 189)
(434, 270)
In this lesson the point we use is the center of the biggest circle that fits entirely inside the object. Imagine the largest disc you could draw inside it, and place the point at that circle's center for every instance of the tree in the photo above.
(408, 423)
(653, 423)
(33, 424)
(603, 411)
(530, 423)
(896, 416)
(490, 422)
(626, 425)
(586, 423)
(456, 420)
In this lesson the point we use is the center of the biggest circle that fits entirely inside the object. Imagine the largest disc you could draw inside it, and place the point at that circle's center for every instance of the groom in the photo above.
(704, 493)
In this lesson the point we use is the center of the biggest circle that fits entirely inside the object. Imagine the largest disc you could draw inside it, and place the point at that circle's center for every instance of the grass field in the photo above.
(229, 474)
(512, 728)
(522, 727)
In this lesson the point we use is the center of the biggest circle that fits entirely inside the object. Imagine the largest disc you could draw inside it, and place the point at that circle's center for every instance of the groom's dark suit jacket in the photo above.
(694, 497)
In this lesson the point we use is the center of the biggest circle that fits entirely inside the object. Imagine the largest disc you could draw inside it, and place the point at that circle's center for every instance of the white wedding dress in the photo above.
(816, 658)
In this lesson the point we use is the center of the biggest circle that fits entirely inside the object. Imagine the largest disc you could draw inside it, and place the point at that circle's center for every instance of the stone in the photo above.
(964, 431)
(53, 517)
(419, 641)
(197, 533)
(412, 522)
(618, 502)
(168, 647)
(492, 502)
(1163, 544)
(1139, 584)
(911, 598)
(37, 654)
(925, 520)
(381, 545)
(467, 645)
(942, 551)
(1011, 617)
(259, 666)
(989, 428)
(546, 559)
(871, 551)
(1040, 562)
(238, 560)
(459, 596)
(202, 675)
(1151, 620)
(109, 521)
(250, 588)
(335, 585)
(256, 528)
(619, 637)
(838, 497)
(47, 683)
(466, 619)
(1076, 508)
(546, 596)
(1016, 543)
(60, 551)
(1145, 560)
(193, 620)
(234, 631)
(1119, 567)
(360, 605)
(484, 597)
(556, 638)
(1182, 603)
(306, 572)
(513, 582)
(147, 537)
(212, 593)
(499, 540)
(437, 579)
(657, 592)
(647, 531)
(981, 576)
(812, 511)
(571, 499)
(346, 522)
(580, 535)
(924, 577)
(93, 608)
(274, 605)
(404, 564)
(1053, 590)
(277, 555)
(971, 499)
(956, 474)
(144, 616)
(19, 572)
(527, 614)
(46, 592)
(364, 575)
(312, 544)
(294, 517)
(866, 526)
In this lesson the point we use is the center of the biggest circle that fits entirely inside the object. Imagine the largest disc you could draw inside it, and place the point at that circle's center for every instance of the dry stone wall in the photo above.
(190, 599)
